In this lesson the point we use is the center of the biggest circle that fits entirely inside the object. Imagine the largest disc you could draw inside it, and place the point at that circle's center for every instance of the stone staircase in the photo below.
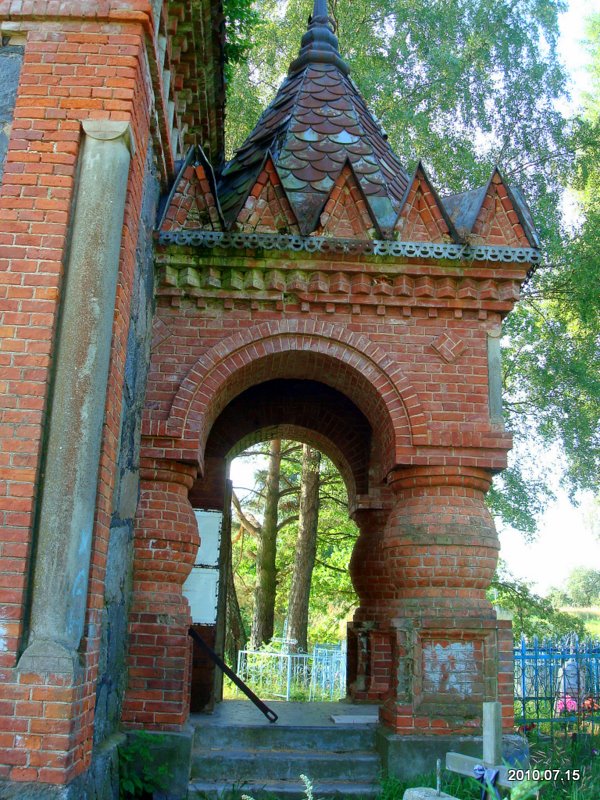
(268, 760)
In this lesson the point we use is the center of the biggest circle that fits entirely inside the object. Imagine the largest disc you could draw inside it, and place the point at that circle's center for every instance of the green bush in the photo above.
(139, 773)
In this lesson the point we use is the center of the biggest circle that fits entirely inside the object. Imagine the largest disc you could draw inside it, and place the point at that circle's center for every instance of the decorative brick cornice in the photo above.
(184, 54)
(377, 247)
(327, 282)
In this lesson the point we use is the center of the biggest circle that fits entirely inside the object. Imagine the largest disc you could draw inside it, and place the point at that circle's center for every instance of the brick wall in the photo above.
(81, 60)
(71, 71)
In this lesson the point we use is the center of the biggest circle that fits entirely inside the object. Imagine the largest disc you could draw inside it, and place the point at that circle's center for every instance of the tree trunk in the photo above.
(235, 637)
(266, 578)
(306, 548)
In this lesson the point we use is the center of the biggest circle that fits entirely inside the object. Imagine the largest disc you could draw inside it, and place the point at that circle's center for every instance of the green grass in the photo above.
(465, 788)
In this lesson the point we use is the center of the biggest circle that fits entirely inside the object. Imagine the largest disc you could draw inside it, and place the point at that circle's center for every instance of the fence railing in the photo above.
(316, 676)
(556, 690)
(557, 686)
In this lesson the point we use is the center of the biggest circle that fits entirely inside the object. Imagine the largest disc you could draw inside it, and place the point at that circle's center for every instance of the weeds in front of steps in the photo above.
(308, 789)
(572, 755)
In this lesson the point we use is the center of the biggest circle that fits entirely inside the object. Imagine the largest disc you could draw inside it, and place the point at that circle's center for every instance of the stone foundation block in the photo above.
(407, 757)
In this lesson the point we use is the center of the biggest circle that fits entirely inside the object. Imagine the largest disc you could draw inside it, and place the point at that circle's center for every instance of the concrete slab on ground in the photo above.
(355, 719)
(243, 712)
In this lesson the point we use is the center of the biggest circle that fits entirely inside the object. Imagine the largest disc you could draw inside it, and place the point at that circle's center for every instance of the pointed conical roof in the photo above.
(317, 122)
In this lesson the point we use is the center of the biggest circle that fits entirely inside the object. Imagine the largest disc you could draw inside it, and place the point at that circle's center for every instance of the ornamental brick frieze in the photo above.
(478, 287)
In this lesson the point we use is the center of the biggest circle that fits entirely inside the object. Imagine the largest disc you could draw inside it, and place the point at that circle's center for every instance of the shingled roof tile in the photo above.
(317, 121)
(318, 127)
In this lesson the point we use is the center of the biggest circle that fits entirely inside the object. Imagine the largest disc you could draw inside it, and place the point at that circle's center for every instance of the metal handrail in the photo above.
(263, 707)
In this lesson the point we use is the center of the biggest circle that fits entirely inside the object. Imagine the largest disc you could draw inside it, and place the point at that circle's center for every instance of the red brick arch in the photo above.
(301, 349)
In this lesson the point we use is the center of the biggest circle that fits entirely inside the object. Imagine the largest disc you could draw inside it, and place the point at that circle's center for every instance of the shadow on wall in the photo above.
(11, 59)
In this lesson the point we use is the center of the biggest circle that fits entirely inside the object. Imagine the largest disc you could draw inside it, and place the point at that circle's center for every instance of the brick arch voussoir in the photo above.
(211, 383)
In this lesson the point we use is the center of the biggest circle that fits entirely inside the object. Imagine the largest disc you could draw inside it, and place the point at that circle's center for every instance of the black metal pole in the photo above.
(263, 707)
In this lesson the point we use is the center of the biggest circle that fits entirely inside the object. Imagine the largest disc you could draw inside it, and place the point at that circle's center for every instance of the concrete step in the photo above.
(241, 765)
(336, 739)
(291, 790)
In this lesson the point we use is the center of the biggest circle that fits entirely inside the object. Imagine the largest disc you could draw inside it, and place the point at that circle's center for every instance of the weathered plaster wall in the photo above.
(11, 59)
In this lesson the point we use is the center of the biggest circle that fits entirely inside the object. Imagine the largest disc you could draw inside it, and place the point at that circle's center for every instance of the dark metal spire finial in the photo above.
(320, 11)
(319, 43)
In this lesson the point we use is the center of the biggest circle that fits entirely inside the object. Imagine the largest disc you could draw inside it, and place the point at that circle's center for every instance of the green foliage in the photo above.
(242, 22)
(552, 369)
(569, 753)
(139, 773)
(517, 497)
(583, 587)
(532, 615)
(591, 620)
(332, 594)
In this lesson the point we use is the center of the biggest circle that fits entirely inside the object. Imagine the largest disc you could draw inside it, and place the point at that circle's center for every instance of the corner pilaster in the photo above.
(69, 479)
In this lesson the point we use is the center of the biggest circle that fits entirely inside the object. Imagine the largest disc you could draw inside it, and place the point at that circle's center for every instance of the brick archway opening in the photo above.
(409, 486)
(303, 410)
(330, 355)
(308, 411)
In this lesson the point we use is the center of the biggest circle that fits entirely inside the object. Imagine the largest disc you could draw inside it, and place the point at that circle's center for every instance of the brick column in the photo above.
(166, 541)
(440, 550)
(369, 639)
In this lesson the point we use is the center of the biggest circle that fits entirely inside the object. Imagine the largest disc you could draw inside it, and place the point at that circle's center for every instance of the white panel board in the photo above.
(201, 589)
(209, 527)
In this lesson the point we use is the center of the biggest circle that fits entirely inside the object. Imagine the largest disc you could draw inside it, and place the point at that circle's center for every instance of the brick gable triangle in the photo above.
(346, 213)
(267, 208)
(422, 217)
(498, 221)
(191, 203)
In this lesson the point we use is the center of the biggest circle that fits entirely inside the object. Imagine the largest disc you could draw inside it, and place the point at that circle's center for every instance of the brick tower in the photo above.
(310, 289)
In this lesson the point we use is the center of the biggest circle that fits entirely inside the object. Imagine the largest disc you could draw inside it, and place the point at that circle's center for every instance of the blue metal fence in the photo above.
(557, 686)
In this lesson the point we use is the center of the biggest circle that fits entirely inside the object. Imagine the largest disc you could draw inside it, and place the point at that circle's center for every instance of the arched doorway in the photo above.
(306, 411)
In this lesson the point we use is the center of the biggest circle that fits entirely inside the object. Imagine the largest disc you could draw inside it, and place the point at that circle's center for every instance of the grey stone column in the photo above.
(69, 481)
